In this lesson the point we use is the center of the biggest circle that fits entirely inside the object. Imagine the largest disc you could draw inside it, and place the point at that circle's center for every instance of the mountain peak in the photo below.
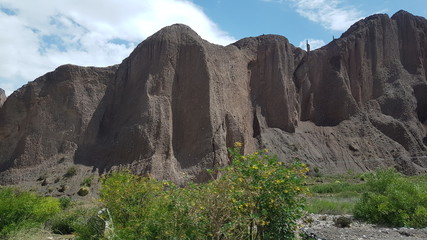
(175, 31)
(402, 13)
(364, 23)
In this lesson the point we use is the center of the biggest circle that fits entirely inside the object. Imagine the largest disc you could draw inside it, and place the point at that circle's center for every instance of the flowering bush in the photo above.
(255, 197)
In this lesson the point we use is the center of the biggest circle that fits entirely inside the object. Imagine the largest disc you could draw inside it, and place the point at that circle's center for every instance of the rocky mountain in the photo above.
(2, 97)
(177, 102)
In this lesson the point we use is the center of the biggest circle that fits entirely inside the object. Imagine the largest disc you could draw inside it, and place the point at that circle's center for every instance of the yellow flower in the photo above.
(240, 179)
(238, 144)
(266, 150)
(254, 167)
(263, 223)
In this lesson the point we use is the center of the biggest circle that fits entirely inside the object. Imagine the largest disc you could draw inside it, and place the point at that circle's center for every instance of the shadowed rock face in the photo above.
(2, 97)
(45, 120)
(177, 102)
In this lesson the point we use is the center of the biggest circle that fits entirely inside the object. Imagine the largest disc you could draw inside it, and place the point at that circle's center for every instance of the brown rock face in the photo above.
(45, 120)
(177, 102)
(2, 97)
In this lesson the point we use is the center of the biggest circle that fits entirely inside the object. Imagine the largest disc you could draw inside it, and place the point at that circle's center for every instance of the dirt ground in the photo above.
(322, 227)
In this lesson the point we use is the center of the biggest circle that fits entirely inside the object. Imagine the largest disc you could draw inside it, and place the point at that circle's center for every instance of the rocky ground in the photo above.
(324, 227)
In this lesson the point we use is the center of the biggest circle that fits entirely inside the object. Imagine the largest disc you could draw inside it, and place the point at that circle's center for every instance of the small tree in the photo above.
(255, 197)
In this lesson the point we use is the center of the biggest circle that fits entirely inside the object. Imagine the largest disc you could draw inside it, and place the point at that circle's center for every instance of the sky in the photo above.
(37, 36)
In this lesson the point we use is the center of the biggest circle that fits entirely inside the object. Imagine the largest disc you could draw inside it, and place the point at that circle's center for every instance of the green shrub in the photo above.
(87, 182)
(83, 191)
(80, 221)
(392, 200)
(62, 223)
(65, 202)
(91, 228)
(24, 209)
(256, 197)
(71, 171)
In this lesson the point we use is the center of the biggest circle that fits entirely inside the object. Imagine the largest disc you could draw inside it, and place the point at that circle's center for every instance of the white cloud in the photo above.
(331, 14)
(39, 35)
(314, 44)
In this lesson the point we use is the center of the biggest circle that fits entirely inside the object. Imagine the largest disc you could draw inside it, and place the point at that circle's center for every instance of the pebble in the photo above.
(321, 227)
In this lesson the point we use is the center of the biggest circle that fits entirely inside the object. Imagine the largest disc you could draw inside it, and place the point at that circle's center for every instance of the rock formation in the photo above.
(177, 102)
(44, 122)
(2, 97)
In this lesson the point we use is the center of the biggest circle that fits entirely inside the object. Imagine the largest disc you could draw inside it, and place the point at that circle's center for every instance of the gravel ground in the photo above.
(323, 227)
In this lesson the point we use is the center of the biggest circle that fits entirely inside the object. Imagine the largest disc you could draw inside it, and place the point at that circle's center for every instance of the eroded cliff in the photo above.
(177, 102)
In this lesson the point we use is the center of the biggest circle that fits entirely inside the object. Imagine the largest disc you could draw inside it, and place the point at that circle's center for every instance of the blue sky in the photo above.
(40, 35)
(290, 18)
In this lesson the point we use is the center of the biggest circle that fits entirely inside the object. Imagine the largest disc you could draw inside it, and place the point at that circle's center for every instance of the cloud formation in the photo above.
(39, 35)
(331, 14)
(314, 44)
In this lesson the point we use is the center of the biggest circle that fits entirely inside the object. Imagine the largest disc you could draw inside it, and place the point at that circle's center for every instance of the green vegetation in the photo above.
(335, 194)
(392, 200)
(24, 210)
(256, 197)
(383, 197)
(87, 182)
(330, 205)
(82, 221)
(71, 171)
(25, 215)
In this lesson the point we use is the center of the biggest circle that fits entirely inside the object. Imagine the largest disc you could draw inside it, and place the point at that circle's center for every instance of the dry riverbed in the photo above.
(323, 227)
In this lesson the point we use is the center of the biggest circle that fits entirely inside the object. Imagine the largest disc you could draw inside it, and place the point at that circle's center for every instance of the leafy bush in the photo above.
(87, 182)
(392, 200)
(24, 209)
(82, 221)
(71, 171)
(91, 228)
(255, 197)
(65, 202)
(83, 191)
(62, 223)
